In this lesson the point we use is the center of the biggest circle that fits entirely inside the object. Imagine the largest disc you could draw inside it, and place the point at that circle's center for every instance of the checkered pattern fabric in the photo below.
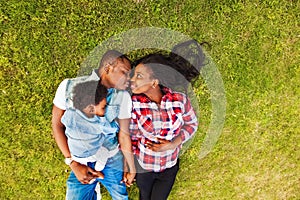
(173, 117)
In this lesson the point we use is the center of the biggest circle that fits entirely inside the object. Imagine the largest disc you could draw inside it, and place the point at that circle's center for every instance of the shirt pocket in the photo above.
(145, 122)
(176, 122)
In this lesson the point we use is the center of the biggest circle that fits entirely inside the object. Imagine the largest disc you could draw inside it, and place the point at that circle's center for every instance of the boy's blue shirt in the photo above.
(87, 135)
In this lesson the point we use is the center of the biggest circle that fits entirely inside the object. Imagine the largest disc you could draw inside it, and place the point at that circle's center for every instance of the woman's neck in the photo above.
(155, 95)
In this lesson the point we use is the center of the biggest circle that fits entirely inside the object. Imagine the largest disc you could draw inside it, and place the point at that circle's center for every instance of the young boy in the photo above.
(91, 137)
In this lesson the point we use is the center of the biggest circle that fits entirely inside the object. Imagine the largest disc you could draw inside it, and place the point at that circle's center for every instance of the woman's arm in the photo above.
(186, 131)
(164, 145)
(190, 125)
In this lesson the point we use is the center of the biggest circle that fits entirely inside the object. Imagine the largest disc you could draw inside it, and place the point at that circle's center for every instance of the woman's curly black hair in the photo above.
(178, 68)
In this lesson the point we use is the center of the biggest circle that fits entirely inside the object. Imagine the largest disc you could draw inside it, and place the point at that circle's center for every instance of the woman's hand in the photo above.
(128, 178)
(162, 145)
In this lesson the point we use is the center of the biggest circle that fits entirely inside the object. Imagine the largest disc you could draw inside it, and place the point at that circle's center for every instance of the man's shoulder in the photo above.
(90, 77)
(122, 94)
(64, 82)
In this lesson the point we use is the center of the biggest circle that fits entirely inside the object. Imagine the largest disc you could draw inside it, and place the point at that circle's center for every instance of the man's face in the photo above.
(118, 75)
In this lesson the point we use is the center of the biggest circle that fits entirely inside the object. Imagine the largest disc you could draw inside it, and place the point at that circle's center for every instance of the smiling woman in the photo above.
(162, 120)
(143, 80)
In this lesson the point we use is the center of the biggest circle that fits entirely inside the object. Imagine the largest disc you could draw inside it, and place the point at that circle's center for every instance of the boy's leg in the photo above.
(113, 175)
(79, 191)
(98, 191)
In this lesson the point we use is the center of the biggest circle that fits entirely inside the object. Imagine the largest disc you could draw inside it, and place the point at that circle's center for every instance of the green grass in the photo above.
(255, 45)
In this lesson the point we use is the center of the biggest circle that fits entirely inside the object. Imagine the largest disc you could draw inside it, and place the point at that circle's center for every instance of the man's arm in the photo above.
(59, 131)
(126, 147)
(83, 173)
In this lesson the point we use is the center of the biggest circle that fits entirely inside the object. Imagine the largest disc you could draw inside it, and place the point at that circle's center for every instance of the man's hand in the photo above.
(85, 174)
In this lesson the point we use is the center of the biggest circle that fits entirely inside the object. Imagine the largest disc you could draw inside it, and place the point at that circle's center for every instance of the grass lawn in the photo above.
(254, 44)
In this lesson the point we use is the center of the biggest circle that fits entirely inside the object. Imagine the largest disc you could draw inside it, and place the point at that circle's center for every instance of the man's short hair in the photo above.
(111, 57)
(86, 93)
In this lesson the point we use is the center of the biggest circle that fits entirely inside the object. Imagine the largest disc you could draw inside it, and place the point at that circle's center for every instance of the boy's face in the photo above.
(100, 108)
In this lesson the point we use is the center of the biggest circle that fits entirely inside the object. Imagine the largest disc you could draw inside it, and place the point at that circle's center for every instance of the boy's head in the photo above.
(90, 98)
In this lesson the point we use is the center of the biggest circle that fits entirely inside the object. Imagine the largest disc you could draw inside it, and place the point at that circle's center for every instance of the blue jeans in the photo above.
(113, 174)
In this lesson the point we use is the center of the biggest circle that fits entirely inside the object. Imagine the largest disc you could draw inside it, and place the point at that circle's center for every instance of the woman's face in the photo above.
(142, 80)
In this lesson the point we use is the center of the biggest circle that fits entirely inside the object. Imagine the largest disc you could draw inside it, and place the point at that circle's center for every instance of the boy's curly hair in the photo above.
(86, 93)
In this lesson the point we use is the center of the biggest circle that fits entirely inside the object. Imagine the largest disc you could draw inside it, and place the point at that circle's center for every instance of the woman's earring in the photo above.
(155, 83)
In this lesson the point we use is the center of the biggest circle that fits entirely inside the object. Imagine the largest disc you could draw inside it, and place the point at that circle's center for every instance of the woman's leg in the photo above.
(164, 182)
(144, 181)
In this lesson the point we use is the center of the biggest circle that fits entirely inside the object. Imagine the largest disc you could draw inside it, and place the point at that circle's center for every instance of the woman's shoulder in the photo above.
(140, 98)
(174, 95)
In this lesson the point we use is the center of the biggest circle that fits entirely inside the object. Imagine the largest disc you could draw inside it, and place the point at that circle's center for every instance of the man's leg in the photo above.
(113, 175)
(79, 191)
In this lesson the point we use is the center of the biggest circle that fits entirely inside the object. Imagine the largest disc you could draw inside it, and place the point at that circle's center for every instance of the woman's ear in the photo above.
(155, 83)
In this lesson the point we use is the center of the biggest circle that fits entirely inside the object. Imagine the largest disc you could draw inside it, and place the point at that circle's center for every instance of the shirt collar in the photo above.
(95, 72)
(167, 95)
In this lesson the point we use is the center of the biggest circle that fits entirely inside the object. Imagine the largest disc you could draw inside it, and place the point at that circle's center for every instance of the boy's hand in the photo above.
(85, 174)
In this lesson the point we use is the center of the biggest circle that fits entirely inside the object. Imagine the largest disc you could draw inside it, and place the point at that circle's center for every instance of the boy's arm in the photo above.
(126, 148)
(83, 173)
